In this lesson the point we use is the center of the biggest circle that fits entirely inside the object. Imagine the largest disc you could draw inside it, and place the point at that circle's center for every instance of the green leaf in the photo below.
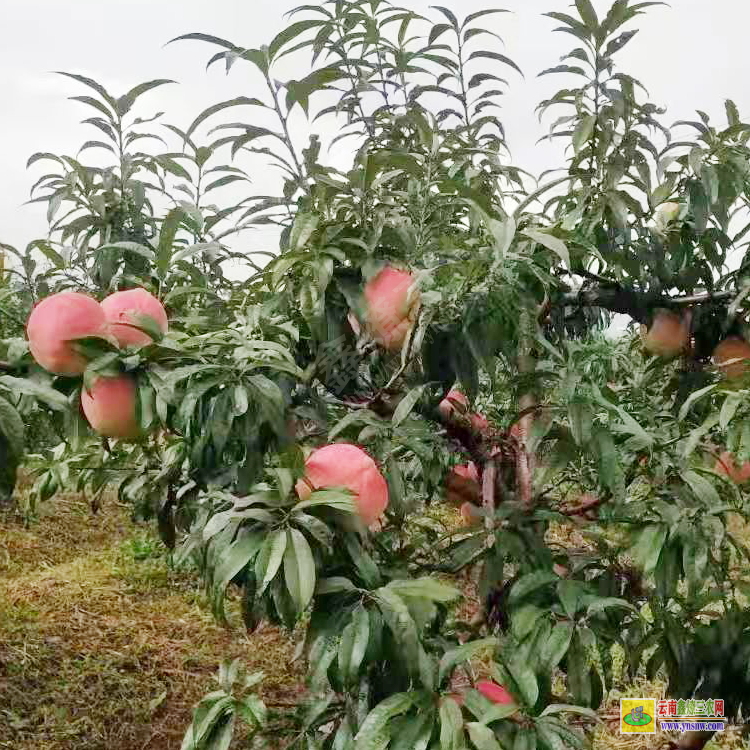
(648, 548)
(600, 605)
(205, 721)
(570, 592)
(482, 737)
(449, 14)
(529, 583)
(728, 409)
(581, 419)
(579, 682)
(525, 619)
(495, 56)
(126, 102)
(588, 14)
(480, 13)
(11, 449)
(12, 429)
(304, 225)
(341, 500)
(406, 405)
(610, 471)
(451, 725)
(525, 679)
(50, 253)
(365, 565)
(401, 624)
(554, 244)
(91, 83)
(566, 708)
(299, 569)
(131, 247)
(583, 132)
(239, 101)
(24, 386)
(416, 735)
(556, 646)
(702, 488)
(498, 712)
(191, 250)
(467, 651)
(334, 585)
(290, 33)
(695, 435)
(373, 729)
(167, 234)
(268, 561)
(354, 640)
(426, 588)
(619, 42)
(344, 740)
(503, 233)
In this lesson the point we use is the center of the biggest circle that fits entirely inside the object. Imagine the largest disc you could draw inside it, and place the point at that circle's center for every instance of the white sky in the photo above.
(691, 55)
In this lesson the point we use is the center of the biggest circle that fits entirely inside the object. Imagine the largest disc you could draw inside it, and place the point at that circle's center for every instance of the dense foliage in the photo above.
(514, 278)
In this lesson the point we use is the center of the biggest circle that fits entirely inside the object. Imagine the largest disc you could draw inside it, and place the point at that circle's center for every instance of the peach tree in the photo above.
(431, 305)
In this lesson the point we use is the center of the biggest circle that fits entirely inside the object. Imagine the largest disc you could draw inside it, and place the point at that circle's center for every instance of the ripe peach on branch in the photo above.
(56, 323)
(494, 692)
(454, 402)
(479, 422)
(731, 356)
(462, 485)
(128, 309)
(392, 302)
(111, 407)
(346, 465)
(726, 465)
(668, 336)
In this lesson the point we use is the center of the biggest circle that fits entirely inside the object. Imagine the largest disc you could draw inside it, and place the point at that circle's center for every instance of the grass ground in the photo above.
(104, 646)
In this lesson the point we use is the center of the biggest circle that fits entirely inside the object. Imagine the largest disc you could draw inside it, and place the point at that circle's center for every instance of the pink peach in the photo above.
(125, 309)
(391, 311)
(55, 323)
(110, 407)
(346, 465)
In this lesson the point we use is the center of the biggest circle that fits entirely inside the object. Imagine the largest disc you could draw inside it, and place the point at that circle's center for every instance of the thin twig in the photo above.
(583, 507)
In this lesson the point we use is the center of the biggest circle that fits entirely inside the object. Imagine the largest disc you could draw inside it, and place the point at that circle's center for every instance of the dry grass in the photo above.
(102, 645)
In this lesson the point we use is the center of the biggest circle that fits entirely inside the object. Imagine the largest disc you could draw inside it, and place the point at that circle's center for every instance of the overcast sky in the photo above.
(691, 55)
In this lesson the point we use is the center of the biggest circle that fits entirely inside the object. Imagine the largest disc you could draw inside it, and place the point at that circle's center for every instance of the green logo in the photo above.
(636, 718)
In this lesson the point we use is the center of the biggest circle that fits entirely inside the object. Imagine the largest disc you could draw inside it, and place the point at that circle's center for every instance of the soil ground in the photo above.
(102, 645)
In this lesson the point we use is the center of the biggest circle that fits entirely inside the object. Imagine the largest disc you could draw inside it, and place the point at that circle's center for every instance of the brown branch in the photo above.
(6, 367)
(636, 304)
(489, 476)
(583, 507)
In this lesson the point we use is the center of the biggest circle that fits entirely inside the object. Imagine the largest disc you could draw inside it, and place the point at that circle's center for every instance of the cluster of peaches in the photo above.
(60, 320)
(669, 336)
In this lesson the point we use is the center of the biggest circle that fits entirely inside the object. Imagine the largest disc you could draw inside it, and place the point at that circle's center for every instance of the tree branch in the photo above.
(489, 475)
(632, 302)
(580, 509)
